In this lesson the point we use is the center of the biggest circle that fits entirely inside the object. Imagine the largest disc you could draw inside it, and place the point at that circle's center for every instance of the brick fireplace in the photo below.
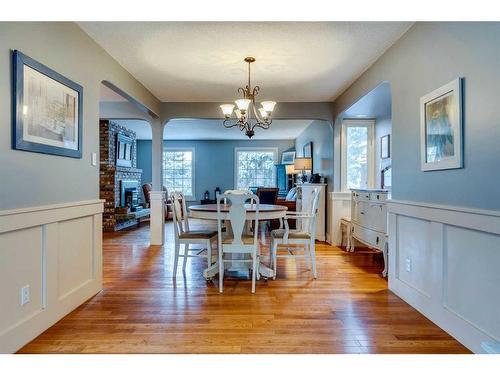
(111, 175)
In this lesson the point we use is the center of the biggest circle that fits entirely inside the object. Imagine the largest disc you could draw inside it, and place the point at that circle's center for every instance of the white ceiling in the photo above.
(195, 129)
(203, 61)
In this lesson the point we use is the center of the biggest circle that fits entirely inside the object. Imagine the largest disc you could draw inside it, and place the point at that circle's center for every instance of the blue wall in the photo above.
(214, 160)
(320, 133)
(428, 56)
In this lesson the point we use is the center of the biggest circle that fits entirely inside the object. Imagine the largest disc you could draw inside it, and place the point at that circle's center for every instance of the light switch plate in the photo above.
(94, 159)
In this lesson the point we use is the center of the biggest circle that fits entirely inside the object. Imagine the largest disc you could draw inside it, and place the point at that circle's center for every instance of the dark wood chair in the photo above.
(268, 195)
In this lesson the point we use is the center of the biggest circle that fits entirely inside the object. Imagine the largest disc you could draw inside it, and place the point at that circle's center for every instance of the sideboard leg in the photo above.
(385, 253)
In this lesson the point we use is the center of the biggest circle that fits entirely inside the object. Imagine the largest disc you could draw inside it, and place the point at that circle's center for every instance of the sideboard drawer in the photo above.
(376, 216)
(381, 197)
(368, 236)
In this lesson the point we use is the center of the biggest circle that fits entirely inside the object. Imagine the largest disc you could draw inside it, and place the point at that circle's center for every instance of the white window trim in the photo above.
(370, 124)
(193, 171)
(274, 150)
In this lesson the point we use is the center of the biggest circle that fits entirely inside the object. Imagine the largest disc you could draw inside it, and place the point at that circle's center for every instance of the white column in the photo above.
(157, 228)
(157, 195)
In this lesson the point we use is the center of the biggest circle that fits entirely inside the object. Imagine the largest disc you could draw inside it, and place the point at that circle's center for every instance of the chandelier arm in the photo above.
(262, 125)
(255, 91)
(227, 123)
(259, 119)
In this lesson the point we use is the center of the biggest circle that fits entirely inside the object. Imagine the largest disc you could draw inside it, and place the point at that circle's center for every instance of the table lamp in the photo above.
(303, 165)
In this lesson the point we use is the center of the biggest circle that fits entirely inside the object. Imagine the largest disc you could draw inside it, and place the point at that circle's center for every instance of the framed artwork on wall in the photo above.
(308, 150)
(47, 109)
(386, 178)
(441, 123)
(385, 146)
(287, 157)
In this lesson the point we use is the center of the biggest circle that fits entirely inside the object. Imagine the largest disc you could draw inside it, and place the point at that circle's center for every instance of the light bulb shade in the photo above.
(263, 113)
(243, 104)
(238, 113)
(290, 169)
(303, 164)
(227, 109)
(268, 106)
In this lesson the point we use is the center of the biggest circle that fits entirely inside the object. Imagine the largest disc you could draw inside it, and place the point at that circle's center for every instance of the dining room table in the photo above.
(266, 212)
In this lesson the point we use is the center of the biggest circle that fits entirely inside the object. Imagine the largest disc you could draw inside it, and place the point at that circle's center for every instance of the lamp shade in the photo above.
(268, 106)
(227, 109)
(243, 104)
(303, 164)
(290, 169)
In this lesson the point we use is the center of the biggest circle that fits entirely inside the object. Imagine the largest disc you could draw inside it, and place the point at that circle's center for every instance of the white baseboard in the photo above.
(445, 262)
(57, 251)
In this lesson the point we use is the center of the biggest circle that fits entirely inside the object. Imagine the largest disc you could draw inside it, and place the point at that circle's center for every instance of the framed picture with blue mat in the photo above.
(47, 109)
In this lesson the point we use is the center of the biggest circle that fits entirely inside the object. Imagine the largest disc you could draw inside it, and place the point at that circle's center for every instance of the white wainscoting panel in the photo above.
(414, 255)
(478, 278)
(339, 207)
(445, 262)
(57, 251)
(76, 263)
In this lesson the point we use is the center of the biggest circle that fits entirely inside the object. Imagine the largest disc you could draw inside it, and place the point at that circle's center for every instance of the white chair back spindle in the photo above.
(239, 242)
(305, 236)
(180, 216)
(236, 200)
(314, 206)
(184, 236)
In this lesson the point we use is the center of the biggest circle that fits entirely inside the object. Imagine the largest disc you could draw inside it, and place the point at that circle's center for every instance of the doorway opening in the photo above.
(123, 185)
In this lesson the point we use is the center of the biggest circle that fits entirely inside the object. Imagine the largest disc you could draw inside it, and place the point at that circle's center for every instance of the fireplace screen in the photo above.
(129, 193)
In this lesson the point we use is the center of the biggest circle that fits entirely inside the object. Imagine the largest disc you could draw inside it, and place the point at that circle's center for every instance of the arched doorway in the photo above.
(122, 128)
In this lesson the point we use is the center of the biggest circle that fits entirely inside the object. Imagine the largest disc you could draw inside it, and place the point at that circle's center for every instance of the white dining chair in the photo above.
(185, 236)
(305, 236)
(237, 241)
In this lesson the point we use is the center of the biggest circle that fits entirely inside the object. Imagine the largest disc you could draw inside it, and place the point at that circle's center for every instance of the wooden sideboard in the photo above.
(292, 206)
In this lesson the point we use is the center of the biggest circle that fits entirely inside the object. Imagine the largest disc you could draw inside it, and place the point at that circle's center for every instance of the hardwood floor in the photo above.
(142, 309)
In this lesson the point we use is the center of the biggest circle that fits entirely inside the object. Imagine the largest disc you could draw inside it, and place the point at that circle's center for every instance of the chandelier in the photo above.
(246, 107)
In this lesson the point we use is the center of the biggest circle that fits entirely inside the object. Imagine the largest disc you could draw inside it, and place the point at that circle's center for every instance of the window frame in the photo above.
(370, 124)
(193, 169)
(274, 150)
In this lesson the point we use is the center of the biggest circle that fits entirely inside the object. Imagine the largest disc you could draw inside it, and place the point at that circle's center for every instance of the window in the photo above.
(358, 155)
(255, 167)
(178, 171)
